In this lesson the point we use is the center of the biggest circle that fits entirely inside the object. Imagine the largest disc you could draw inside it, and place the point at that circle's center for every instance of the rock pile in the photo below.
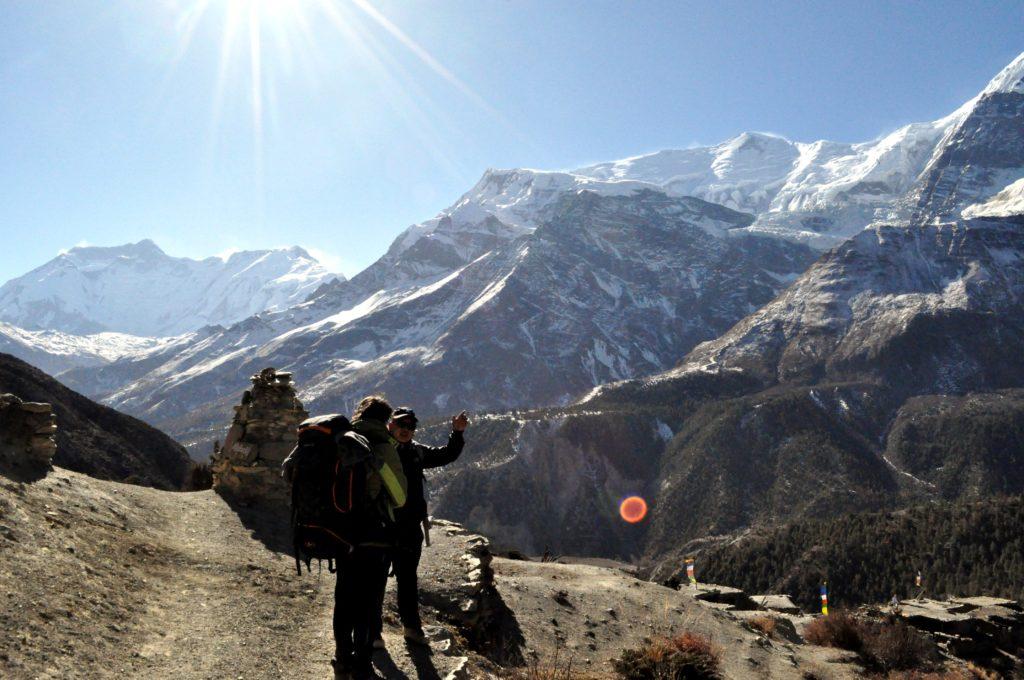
(263, 432)
(27, 428)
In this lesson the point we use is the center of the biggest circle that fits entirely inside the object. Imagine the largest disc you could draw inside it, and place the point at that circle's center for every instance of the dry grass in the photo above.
(971, 672)
(555, 669)
(764, 625)
(685, 657)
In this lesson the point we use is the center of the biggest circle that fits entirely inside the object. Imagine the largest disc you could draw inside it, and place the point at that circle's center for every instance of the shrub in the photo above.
(840, 630)
(894, 646)
(685, 657)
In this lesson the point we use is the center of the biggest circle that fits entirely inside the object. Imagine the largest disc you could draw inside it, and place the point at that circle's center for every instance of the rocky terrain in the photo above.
(95, 439)
(106, 580)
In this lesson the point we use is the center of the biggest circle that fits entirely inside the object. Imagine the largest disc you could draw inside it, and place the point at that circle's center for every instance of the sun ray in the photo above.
(423, 55)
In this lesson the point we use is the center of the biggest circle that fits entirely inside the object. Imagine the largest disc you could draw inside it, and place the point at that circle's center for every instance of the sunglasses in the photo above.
(405, 426)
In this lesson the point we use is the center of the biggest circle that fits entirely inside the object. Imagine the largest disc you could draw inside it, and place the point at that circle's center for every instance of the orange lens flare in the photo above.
(633, 509)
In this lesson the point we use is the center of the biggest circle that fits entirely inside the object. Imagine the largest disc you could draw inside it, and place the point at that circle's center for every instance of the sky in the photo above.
(218, 125)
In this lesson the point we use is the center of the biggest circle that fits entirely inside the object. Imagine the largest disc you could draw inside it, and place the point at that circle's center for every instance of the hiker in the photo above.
(412, 519)
(356, 608)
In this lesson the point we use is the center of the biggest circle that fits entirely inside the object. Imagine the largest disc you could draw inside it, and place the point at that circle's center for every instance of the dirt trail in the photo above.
(104, 580)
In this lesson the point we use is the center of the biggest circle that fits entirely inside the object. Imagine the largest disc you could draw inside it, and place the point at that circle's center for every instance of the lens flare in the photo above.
(633, 509)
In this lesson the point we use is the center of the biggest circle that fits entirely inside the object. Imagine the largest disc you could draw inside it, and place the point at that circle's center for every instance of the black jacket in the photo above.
(415, 458)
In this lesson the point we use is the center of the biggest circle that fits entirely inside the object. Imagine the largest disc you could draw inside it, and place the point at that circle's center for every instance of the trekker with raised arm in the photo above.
(411, 519)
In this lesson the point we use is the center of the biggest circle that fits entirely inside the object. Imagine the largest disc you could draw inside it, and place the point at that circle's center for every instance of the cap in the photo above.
(404, 413)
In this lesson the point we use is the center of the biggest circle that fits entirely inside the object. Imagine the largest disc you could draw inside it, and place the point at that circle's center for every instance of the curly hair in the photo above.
(373, 407)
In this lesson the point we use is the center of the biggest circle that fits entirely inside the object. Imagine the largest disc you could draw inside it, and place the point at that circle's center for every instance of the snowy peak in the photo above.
(140, 290)
(981, 155)
(1010, 79)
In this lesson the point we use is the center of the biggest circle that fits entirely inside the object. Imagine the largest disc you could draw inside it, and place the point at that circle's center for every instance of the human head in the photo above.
(402, 424)
(374, 407)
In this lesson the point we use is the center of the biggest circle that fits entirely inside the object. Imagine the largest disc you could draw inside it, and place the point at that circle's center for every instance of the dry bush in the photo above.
(764, 625)
(886, 646)
(685, 657)
(840, 630)
(894, 646)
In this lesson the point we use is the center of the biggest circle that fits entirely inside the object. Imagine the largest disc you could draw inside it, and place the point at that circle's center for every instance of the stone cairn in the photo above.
(26, 436)
(262, 434)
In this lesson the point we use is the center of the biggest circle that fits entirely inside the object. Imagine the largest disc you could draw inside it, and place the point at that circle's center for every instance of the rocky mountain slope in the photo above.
(139, 290)
(610, 287)
(848, 392)
(96, 439)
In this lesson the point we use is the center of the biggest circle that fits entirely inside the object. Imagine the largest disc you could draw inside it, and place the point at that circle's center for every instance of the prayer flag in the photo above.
(824, 599)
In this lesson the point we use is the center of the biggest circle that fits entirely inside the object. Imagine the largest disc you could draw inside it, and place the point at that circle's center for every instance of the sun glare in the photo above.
(264, 43)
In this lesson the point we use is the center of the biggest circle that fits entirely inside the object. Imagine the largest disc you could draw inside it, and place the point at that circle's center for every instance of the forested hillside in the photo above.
(962, 549)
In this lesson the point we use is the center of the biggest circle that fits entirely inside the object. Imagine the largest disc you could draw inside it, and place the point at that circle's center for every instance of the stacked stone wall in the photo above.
(27, 431)
(262, 434)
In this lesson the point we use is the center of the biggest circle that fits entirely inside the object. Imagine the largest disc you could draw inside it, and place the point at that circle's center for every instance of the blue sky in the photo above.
(334, 124)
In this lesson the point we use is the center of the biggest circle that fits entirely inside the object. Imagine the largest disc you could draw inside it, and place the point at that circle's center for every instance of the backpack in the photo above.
(327, 470)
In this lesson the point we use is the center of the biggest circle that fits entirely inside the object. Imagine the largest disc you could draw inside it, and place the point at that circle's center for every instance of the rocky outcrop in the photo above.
(263, 432)
(27, 444)
(986, 631)
(457, 581)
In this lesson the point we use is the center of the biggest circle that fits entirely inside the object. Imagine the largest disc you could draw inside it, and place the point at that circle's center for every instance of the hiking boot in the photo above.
(416, 636)
(342, 671)
(362, 669)
(379, 643)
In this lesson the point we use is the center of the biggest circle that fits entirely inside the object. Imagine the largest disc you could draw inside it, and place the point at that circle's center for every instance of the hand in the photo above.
(460, 422)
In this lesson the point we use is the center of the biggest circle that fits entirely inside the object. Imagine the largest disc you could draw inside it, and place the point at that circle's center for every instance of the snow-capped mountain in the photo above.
(535, 286)
(812, 405)
(609, 287)
(139, 290)
(820, 193)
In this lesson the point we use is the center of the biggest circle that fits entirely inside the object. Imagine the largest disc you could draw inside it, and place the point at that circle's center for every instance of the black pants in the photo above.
(405, 558)
(356, 609)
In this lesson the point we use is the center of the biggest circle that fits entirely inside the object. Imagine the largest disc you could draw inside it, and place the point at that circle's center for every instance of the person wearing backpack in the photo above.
(410, 519)
(356, 609)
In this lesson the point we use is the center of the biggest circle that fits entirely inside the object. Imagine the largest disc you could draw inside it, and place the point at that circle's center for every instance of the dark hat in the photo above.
(404, 413)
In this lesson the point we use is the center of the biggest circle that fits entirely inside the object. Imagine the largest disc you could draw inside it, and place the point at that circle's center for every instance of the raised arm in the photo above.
(436, 456)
